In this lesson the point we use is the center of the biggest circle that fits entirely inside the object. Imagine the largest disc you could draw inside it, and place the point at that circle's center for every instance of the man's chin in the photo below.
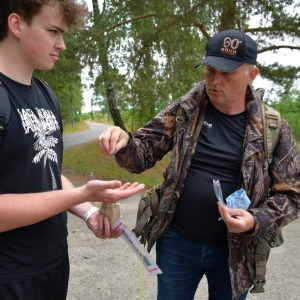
(46, 68)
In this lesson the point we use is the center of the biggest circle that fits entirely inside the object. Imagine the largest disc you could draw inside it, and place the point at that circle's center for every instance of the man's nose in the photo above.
(60, 44)
(216, 77)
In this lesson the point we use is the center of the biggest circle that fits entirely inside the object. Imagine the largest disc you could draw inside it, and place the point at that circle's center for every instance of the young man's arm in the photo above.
(18, 210)
(80, 209)
(96, 223)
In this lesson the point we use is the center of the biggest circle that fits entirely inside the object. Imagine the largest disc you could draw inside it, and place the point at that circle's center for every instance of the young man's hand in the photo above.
(110, 191)
(101, 228)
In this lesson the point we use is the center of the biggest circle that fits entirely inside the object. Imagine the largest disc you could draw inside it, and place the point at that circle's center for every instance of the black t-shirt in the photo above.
(218, 155)
(30, 162)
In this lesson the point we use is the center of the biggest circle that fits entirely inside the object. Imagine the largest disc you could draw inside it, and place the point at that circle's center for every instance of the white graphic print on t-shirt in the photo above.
(42, 128)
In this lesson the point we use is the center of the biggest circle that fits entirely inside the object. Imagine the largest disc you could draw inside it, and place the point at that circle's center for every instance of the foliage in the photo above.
(140, 54)
(289, 108)
(65, 79)
(147, 49)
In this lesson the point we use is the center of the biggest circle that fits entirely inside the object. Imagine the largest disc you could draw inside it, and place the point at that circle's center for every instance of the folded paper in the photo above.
(238, 199)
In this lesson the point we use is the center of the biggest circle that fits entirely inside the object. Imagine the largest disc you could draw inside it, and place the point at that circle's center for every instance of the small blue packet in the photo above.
(238, 199)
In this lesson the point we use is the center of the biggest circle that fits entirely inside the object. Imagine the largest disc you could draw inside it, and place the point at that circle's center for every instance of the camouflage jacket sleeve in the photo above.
(282, 204)
(150, 143)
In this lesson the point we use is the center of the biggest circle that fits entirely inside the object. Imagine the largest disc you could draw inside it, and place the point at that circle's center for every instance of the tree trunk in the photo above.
(103, 61)
(228, 15)
(115, 113)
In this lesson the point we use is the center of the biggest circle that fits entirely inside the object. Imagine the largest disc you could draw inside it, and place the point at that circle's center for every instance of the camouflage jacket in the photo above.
(151, 142)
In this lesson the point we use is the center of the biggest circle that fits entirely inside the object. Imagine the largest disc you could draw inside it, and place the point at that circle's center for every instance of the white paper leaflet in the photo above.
(130, 238)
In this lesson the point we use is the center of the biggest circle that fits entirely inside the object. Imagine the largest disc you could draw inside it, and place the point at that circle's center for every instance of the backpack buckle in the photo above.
(258, 286)
(180, 119)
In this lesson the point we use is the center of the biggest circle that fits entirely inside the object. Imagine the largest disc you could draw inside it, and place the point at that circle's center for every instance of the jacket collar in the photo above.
(197, 98)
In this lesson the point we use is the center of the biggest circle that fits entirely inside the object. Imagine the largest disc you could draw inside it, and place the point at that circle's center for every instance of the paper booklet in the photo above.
(130, 238)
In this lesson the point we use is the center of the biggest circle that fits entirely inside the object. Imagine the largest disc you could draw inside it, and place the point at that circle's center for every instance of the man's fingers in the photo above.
(112, 139)
(104, 141)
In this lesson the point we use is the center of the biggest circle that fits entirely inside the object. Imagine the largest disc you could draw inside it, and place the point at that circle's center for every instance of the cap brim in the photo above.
(220, 63)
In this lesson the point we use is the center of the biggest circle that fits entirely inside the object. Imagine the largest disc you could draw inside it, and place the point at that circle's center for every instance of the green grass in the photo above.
(89, 158)
(78, 126)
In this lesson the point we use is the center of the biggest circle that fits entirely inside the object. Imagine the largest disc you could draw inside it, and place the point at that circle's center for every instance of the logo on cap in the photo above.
(228, 50)
(230, 46)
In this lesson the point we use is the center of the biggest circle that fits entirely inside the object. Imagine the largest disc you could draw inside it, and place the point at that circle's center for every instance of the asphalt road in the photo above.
(109, 270)
(77, 138)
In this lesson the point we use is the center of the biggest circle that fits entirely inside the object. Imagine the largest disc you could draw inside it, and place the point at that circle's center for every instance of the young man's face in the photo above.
(43, 39)
(228, 88)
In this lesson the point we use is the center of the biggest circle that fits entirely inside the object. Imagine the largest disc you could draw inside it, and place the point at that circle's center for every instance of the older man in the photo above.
(190, 239)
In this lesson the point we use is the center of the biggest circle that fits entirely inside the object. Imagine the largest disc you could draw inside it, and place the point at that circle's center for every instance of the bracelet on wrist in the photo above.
(91, 211)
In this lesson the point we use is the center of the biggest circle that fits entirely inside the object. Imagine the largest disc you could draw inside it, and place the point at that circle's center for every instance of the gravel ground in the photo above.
(108, 269)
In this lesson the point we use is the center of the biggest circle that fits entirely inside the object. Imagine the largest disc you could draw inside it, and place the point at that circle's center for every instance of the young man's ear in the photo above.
(15, 24)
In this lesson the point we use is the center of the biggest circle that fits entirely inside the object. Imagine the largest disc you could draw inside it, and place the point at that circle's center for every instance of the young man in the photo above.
(191, 241)
(34, 195)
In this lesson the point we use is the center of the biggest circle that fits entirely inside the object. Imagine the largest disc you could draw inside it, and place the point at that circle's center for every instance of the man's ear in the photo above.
(15, 24)
(253, 73)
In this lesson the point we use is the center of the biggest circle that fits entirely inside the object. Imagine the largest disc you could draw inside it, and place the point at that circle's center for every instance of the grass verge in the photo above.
(88, 159)
(78, 126)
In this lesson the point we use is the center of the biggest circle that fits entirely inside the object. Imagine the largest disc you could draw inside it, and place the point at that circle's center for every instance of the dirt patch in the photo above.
(80, 177)
(73, 175)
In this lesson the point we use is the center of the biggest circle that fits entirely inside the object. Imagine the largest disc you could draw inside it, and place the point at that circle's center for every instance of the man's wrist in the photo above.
(90, 212)
(253, 230)
(129, 137)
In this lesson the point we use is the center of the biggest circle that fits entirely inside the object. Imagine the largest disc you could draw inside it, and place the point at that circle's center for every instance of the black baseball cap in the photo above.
(228, 50)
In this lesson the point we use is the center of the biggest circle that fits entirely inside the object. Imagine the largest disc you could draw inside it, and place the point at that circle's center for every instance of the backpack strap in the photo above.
(51, 95)
(271, 126)
(261, 256)
(5, 111)
(181, 118)
(271, 129)
(45, 86)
